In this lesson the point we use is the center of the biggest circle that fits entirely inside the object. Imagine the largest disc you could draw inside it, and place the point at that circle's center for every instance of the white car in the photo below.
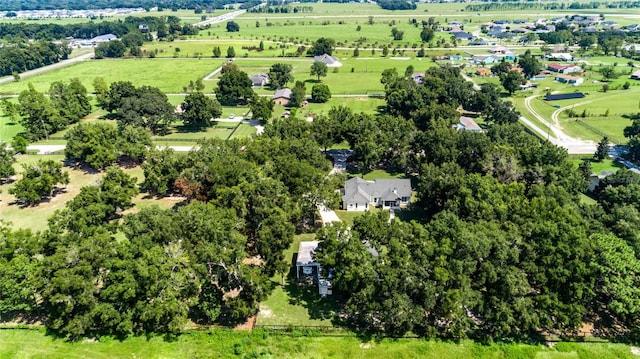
(232, 116)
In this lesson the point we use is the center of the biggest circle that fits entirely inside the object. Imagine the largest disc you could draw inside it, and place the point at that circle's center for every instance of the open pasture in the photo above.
(169, 75)
(365, 78)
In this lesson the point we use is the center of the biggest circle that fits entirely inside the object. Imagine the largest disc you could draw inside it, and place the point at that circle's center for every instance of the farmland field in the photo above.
(169, 75)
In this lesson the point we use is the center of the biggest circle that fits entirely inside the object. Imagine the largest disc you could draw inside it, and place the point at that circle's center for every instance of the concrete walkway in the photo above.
(328, 215)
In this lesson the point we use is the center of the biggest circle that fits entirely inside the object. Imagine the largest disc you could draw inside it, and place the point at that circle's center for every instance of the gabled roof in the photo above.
(468, 124)
(106, 37)
(462, 35)
(327, 59)
(359, 191)
(556, 66)
(282, 93)
(259, 79)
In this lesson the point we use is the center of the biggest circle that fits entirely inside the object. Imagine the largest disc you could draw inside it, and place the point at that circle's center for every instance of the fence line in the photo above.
(596, 131)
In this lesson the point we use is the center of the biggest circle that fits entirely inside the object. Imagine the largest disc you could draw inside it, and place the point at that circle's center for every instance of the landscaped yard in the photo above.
(296, 303)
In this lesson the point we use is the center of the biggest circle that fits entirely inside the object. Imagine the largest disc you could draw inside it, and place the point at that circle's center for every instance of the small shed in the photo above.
(305, 265)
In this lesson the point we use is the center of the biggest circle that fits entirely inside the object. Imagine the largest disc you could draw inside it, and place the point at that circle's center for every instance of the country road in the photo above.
(559, 138)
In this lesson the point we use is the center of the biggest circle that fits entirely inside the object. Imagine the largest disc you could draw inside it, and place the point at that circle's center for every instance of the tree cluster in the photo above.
(19, 58)
(144, 106)
(42, 115)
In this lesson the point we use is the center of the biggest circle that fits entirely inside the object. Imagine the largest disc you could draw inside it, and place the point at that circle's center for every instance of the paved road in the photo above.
(219, 19)
(559, 138)
(44, 69)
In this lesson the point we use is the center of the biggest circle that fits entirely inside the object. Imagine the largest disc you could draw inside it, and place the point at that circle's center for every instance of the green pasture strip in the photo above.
(169, 75)
(31, 344)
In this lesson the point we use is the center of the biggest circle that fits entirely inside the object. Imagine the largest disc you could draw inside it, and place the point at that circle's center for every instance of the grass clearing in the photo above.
(35, 217)
(296, 304)
(169, 75)
(32, 344)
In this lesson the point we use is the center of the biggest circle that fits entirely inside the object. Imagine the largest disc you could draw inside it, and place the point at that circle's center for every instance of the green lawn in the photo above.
(295, 303)
(243, 131)
(169, 75)
(32, 344)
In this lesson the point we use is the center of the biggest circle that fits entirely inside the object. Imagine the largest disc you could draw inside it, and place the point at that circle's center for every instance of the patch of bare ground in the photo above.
(248, 325)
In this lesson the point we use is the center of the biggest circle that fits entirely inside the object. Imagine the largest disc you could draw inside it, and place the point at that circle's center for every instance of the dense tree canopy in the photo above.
(198, 110)
(234, 88)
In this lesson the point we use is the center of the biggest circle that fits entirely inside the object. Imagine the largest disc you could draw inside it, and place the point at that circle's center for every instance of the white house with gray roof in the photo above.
(359, 194)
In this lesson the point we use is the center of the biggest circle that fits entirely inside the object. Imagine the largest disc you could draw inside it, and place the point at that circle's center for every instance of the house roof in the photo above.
(305, 252)
(636, 74)
(463, 35)
(106, 37)
(556, 66)
(327, 59)
(564, 96)
(469, 124)
(567, 78)
(282, 93)
(259, 79)
(358, 190)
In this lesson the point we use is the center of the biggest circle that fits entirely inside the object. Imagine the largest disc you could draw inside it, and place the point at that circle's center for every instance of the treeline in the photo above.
(503, 247)
(396, 4)
(88, 30)
(17, 5)
(23, 57)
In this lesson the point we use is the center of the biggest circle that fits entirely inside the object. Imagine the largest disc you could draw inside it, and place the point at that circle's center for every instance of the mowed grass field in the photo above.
(32, 344)
(169, 75)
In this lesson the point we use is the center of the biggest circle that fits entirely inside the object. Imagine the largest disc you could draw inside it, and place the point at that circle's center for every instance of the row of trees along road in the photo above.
(501, 246)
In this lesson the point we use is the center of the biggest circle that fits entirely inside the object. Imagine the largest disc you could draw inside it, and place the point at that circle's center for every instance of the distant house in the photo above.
(564, 96)
(485, 59)
(104, 38)
(259, 80)
(538, 77)
(479, 42)
(501, 50)
(282, 97)
(559, 56)
(563, 69)
(330, 61)
(462, 35)
(418, 77)
(455, 22)
(359, 194)
(143, 28)
(571, 80)
(635, 75)
(468, 124)
(483, 71)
